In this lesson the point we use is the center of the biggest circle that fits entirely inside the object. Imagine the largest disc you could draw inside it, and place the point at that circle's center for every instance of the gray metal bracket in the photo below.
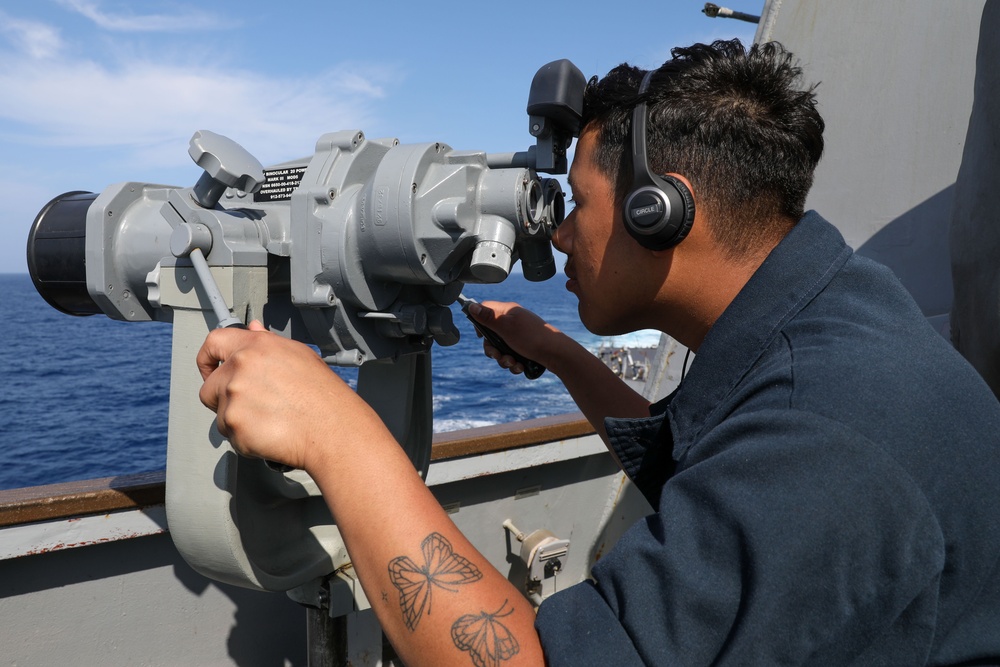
(233, 518)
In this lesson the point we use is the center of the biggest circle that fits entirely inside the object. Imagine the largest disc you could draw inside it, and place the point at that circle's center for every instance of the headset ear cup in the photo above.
(660, 214)
(686, 212)
(659, 211)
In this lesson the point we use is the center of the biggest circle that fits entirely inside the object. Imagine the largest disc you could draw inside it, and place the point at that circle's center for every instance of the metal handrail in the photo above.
(128, 492)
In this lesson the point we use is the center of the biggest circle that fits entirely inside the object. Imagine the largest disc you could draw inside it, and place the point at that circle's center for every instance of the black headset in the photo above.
(659, 211)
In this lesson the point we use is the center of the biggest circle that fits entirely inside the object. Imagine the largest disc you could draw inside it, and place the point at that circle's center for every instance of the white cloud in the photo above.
(134, 120)
(125, 21)
(35, 39)
(150, 110)
(87, 112)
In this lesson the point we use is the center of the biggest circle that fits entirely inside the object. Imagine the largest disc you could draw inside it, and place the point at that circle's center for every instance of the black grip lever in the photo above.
(532, 369)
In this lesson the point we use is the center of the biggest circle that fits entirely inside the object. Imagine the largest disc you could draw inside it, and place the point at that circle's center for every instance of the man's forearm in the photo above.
(438, 599)
(597, 391)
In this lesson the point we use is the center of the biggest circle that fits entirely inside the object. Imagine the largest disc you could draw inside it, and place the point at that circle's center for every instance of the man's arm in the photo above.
(597, 391)
(438, 599)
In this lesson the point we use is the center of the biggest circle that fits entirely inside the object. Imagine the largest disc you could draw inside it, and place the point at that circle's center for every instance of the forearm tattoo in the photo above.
(442, 568)
(487, 640)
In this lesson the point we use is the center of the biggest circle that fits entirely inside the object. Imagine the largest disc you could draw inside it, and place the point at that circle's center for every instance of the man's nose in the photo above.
(562, 236)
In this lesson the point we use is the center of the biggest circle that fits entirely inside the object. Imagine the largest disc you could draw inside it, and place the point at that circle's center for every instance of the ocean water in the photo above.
(86, 397)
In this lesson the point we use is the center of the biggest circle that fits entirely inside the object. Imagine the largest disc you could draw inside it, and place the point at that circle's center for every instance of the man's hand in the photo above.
(276, 399)
(597, 391)
(523, 331)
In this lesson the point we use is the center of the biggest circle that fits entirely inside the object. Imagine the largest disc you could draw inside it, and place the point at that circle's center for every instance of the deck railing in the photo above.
(110, 494)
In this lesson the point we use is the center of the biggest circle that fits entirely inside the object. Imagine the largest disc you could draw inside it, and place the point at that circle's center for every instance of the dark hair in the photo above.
(732, 121)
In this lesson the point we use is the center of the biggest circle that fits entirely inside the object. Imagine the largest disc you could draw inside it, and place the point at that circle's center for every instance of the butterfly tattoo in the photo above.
(487, 640)
(442, 568)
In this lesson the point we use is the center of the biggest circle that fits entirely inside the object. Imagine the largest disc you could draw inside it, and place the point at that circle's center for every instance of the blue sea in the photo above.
(86, 397)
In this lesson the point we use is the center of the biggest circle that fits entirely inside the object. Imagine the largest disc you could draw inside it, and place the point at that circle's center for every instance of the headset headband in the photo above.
(640, 165)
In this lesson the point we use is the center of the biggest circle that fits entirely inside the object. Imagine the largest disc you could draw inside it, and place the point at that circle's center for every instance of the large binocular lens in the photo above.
(57, 253)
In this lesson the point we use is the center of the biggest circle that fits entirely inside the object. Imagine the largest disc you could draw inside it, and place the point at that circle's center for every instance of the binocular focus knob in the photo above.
(226, 165)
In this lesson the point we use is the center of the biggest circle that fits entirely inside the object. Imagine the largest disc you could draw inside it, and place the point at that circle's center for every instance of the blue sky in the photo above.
(95, 92)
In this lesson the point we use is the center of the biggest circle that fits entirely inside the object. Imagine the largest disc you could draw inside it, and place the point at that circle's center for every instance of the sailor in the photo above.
(825, 480)
(628, 363)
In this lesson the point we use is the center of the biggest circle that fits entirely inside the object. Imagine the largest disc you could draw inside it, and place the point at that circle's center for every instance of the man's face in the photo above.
(602, 260)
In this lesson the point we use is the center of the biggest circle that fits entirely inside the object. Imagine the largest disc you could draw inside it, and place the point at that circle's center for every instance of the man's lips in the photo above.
(571, 282)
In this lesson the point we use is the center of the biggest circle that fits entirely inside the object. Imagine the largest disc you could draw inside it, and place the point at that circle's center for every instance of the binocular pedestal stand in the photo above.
(236, 519)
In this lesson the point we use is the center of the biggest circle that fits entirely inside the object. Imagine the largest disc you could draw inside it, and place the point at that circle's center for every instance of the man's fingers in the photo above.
(209, 395)
(220, 424)
(220, 345)
(503, 360)
(483, 313)
(213, 352)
